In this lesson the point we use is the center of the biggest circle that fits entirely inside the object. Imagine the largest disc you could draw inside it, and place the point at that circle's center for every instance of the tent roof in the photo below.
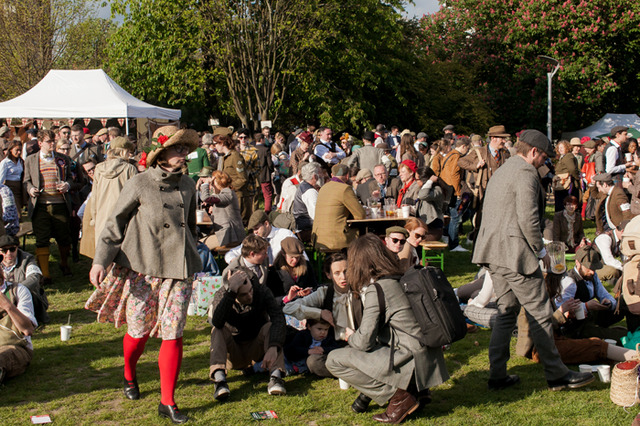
(604, 125)
(81, 94)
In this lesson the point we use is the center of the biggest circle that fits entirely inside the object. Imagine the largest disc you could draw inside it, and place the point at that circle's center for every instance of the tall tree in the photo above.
(595, 41)
(259, 45)
(33, 36)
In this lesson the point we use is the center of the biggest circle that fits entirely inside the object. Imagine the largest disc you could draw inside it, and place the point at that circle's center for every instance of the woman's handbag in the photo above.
(624, 382)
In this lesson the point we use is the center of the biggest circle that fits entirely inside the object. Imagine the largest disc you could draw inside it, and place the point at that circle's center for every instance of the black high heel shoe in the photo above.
(131, 389)
(172, 412)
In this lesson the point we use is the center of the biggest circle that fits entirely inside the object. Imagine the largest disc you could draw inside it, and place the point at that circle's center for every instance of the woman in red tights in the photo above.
(148, 286)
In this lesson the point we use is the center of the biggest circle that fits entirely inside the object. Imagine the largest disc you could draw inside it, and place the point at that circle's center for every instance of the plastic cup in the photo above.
(406, 211)
(191, 309)
(579, 312)
(343, 385)
(604, 372)
(65, 332)
(199, 216)
(628, 156)
(585, 368)
(611, 342)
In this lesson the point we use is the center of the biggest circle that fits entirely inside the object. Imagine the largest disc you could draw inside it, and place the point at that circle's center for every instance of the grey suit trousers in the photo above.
(514, 290)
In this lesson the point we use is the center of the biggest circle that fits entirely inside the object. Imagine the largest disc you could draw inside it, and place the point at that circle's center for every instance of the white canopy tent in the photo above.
(81, 94)
(604, 126)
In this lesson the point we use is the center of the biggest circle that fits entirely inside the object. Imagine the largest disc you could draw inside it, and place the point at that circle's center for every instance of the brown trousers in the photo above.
(578, 351)
(227, 354)
(15, 359)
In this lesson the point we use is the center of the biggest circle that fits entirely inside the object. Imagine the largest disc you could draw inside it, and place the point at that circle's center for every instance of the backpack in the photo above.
(628, 286)
(434, 305)
(630, 241)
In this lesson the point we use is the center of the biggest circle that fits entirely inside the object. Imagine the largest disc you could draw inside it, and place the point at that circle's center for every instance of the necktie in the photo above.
(258, 272)
(497, 156)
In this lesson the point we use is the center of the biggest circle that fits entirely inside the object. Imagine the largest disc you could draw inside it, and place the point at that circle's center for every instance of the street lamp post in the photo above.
(550, 75)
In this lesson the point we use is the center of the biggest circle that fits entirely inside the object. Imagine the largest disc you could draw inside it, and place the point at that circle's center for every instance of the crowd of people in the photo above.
(275, 199)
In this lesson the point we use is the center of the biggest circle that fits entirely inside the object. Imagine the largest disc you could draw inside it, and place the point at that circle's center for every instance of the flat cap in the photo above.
(537, 139)
(590, 144)
(618, 129)
(589, 257)
(257, 218)
(340, 170)
(603, 177)
(397, 230)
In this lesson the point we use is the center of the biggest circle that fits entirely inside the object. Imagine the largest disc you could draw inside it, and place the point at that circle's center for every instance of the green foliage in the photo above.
(596, 43)
(87, 42)
(35, 35)
(156, 54)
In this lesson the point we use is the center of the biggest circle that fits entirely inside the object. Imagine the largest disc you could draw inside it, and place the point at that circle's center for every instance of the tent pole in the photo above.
(127, 121)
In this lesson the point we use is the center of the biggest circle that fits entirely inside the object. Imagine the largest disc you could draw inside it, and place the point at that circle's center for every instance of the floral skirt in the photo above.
(148, 305)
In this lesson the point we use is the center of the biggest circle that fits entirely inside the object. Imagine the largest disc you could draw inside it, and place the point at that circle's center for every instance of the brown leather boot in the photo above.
(401, 404)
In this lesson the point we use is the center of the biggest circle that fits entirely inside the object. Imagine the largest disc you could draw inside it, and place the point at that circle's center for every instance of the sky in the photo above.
(423, 7)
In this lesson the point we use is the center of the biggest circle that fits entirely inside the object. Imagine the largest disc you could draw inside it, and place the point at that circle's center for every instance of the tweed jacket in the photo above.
(617, 207)
(108, 179)
(568, 164)
(561, 228)
(482, 175)
(245, 322)
(510, 234)
(265, 164)
(239, 263)
(90, 152)
(366, 157)
(33, 177)
(372, 342)
(431, 198)
(152, 224)
(336, 203)
(227, 219)
(410, 197)
(233, 164)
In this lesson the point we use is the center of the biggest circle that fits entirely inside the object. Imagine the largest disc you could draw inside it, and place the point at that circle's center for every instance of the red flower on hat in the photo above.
(585, 139)
(143, 159)
(162, 139)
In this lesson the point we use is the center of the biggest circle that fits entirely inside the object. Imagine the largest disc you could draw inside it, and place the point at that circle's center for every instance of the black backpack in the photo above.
(434, 305)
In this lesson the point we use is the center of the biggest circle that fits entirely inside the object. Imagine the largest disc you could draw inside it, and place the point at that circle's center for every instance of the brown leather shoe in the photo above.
(401, 404)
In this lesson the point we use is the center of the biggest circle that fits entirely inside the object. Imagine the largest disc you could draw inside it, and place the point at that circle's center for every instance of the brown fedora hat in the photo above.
(167, 136)
(498, 131)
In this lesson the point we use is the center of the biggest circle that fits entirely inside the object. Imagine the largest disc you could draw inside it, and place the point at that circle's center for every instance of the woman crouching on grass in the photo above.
(384, 361)
(148, 287)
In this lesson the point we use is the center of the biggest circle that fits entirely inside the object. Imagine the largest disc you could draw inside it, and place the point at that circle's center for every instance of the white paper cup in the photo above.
(406, 211)
(199, 215)
(611, 342)
(604, 372)
(585, 368)
(628, 156)
(343, 385)
(191, 309)
(579, 312)
(65, 332)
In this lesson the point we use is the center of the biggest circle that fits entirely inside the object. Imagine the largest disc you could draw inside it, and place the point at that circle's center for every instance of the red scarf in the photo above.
(403, 191)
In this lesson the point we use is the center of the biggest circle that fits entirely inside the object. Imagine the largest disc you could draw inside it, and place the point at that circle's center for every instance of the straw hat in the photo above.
(167, 136)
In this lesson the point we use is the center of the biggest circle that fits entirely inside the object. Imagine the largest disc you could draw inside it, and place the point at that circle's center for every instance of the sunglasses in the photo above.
(418, 236)
(242, 137)
(8, 249)
(400, 241)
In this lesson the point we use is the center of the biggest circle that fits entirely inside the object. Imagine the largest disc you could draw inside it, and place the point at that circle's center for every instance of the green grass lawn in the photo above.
(79, 381)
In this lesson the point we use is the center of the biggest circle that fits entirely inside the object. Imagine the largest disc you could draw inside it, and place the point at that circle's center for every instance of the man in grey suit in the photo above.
(510, 246)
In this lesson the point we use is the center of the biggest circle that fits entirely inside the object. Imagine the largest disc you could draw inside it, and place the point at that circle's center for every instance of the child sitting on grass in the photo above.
(308, 349)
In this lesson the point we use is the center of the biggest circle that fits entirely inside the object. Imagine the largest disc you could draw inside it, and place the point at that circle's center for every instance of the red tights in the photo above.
(169, 361)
